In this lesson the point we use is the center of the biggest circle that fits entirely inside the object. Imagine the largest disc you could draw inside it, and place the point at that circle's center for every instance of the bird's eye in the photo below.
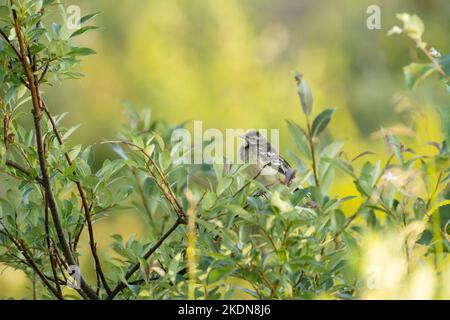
(257, 133)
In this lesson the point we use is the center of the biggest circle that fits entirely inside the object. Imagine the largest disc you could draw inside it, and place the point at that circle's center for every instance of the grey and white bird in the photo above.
(265, 162)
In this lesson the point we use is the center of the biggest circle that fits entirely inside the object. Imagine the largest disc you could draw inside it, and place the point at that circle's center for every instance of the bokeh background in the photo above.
(230, 64)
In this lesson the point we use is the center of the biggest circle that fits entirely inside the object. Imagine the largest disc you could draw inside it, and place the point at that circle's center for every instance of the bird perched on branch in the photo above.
(265, 162)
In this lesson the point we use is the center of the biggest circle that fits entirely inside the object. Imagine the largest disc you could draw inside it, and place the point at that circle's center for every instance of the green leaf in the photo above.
(174, 266)
(56, 28)
(280, 204)
(444, 61)
(70, 169)
(305, 94)
(416, 72)
(397, 148)
(11, 93)
(217, 274)
(70, 132)
(322, 121)
(83, 30)
(223, 185)
(333, 149)
(445, 117)
(36, 48)
(300, 139)
(209, 200)
(88, 17)
(160, 141)
(413, 26)
(81, 51)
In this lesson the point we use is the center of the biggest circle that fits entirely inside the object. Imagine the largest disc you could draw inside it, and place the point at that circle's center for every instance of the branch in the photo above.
(250, 182)
(434, 61)
(29, 259)
(169, 194)
(50, 248)
(313, 152)
(25, 171)
(272, 289)
(5, 37)
(142, 195)
(86, 208)
(43, 161)
(146, 256)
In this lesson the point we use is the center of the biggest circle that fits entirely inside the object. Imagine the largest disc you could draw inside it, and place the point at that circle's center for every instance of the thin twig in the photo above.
(146, 256)
(5, 37)
(142, 195)
(164, 186)
(250, 182)
(272, 289)
(87, 211)
(434, 61)
(313, 152)
(50, 248)
(30, 261)
(25, 171)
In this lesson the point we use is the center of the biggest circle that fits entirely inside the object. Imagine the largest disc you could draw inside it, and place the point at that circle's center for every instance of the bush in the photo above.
(212, 237)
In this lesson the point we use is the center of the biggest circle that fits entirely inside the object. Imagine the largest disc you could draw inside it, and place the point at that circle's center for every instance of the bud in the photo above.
(305, 94)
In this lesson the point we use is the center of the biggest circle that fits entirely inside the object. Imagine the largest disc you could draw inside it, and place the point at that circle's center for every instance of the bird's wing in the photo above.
(276, 160)
(284, 167)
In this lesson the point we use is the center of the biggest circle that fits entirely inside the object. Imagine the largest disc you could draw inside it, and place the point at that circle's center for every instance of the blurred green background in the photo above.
(229, 63)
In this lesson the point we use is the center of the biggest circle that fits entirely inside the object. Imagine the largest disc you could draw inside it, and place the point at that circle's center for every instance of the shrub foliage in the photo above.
(215, 236)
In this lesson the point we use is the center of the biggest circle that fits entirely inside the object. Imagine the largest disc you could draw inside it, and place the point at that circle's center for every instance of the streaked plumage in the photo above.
(264, 159)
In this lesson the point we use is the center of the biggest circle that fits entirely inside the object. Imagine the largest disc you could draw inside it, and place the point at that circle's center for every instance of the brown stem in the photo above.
(146, 256)
(313, 152)
(42, 160)
(5, 37)
(44, 72)
(168, 194)
(272, 289)
(50, 249)
(30, 261)
(142, 195)
(434, 61)
(5, 126)
(25, 171)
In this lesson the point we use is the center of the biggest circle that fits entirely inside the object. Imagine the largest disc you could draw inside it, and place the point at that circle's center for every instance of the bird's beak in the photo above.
(242, 137)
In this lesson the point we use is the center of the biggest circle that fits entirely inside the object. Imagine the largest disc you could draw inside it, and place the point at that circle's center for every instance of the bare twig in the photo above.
(25, 171)
(86, 208)
(142, 195)
(50, 248)
(164, 186)
(30, 261)
(250, 182)
(272, 289)
(5, 37)
(146, 256)
(313, 152)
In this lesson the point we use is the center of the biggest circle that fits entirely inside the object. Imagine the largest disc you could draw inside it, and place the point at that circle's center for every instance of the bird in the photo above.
(264, 160)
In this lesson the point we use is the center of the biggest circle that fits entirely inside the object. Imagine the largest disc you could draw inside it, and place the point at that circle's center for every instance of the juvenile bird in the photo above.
(266, 163)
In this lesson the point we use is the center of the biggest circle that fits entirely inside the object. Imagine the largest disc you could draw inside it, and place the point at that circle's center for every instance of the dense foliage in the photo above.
(214, 235)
